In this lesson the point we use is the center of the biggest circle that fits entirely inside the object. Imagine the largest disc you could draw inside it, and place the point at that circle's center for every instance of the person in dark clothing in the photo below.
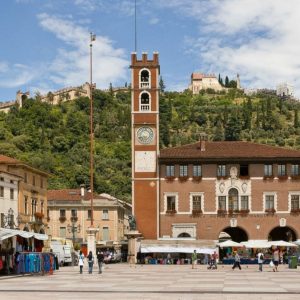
(100, 258)
(237, 261)
(90, 262)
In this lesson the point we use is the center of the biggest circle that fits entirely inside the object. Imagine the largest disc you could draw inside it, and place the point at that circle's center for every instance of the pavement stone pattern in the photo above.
(122, 281)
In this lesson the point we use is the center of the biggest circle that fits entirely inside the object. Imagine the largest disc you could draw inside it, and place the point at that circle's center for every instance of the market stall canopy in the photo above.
(178, 246)
(282, 244)
(172, 249)
(6, 233)
(229, 243)
(256, 244)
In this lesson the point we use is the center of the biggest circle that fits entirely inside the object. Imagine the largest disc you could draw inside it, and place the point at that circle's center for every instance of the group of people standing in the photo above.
(90, 260)
(260, 259)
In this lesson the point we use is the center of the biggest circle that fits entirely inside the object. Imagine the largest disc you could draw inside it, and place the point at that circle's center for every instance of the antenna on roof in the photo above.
(135, 35)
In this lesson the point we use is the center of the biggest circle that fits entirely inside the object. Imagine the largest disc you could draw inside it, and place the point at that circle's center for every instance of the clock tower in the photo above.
(145, 143)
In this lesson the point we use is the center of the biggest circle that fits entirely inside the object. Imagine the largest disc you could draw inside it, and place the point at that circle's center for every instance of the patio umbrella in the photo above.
(282, 244)
(256, 244)
(229, 243)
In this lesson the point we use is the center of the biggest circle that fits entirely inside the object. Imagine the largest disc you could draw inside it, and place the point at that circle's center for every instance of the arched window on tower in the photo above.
(145, 101)
(145, 79)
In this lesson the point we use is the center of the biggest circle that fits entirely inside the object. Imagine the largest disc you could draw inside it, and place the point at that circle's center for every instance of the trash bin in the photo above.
(293, 262)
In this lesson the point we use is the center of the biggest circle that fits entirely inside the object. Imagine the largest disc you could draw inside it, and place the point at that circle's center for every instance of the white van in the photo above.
(62, 251)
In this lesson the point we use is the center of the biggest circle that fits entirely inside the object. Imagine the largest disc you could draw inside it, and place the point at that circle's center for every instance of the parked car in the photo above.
(113, 258)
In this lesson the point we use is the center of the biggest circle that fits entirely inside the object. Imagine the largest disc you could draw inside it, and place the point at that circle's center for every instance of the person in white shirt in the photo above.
(260, 259)
(81, 261)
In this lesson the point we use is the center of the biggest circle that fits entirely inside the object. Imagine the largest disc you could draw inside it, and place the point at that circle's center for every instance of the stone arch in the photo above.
(145, 101)
(285, 233)
(237, 234)
(184, 235)
(145, 78)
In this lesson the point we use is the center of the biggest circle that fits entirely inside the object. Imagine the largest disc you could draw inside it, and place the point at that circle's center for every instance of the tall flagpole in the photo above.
(135, 34)
(93, 38)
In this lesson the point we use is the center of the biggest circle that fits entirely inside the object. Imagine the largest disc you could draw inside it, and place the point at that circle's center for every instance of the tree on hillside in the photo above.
(219, 131)
(161, 85)
(226, 81)
(50, 97)
(233, 128)
(296, 119)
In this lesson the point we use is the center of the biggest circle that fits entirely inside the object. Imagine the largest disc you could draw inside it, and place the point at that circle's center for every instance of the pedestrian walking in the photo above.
(90, 262)
(100, 258)
(237, 261)
(260, 260)
(194, 259)
(275, 260)
(81, 261)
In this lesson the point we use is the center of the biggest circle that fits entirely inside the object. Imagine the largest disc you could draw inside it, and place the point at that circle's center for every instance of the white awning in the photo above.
(282, 244)
(256, 244)
(6, 233)
(230, 243)
(172, 249)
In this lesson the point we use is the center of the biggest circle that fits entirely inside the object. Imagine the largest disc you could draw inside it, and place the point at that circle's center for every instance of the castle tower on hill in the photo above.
(238, 82)
(145, 142)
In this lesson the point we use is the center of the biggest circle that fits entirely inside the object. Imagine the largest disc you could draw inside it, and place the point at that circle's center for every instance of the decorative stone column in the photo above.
(91, 240)
(134, 238)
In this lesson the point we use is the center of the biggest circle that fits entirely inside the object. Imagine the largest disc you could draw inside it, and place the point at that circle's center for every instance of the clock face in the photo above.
(145, 135)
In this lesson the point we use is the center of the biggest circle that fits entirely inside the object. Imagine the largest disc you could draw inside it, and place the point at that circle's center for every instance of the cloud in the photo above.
(258, 39)
(154, 21)
(16, 75)
(71, 65)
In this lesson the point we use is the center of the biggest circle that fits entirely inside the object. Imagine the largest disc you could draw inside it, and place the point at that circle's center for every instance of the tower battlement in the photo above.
(135, 62)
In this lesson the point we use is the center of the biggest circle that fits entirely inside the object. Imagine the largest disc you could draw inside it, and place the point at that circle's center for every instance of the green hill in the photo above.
(56, 138)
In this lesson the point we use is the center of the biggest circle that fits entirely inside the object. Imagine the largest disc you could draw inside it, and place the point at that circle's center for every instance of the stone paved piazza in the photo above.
(120, 281)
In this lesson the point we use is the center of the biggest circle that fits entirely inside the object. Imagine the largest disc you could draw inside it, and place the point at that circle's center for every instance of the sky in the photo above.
(44, 44)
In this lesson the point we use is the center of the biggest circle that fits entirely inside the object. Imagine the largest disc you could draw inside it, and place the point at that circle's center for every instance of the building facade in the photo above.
(247, 190)
(201, 81)
(67, 94)
(285, 90)
(31, 193)
(69, 216)
(250, 191)
(9, 191)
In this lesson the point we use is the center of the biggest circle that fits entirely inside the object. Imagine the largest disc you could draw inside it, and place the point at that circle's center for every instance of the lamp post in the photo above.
(92, 39)
(91, 231)
(9, 221)
(73, 228)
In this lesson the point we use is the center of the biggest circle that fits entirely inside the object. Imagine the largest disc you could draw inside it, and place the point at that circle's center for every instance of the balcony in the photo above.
(170, 178)
(197, 178)
(74, 219)
(282, 177)
(295, 211)
(183, 178)
(145, 85)
(196, 212)
(268, 177)
(62, 219)
(171, 212)
(295, 177)
(270, 211)
(222, 212)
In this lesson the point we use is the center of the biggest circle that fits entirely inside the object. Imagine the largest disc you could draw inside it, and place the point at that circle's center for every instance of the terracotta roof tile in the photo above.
(68, 194)
(229, 150)
(8, 160)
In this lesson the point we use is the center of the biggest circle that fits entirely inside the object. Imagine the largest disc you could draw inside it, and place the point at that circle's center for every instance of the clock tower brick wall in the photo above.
(145, 143)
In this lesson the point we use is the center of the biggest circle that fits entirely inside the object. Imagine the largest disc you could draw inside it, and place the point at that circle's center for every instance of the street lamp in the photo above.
(93, 38)
(73, 228)
(9, 221)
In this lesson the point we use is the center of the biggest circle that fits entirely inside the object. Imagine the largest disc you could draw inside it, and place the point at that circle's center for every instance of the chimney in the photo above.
(202, 140)
(82, 190)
